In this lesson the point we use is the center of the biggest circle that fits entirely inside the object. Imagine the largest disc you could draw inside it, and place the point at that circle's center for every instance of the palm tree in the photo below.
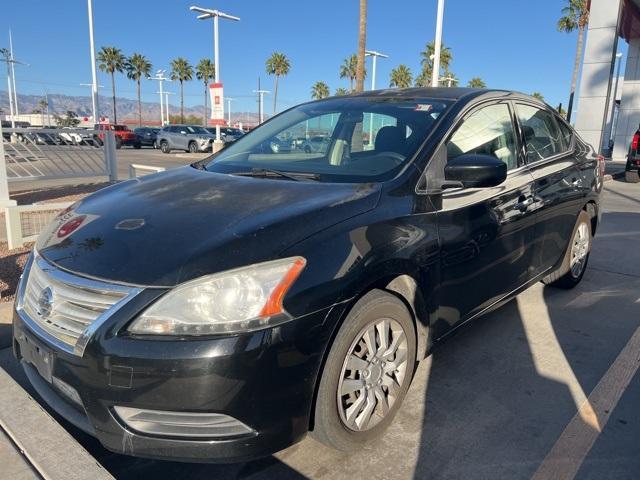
(205, 71)
(277, 64)
(574, 15)
(319, 90)
(111, 60)
(401, 77)
(341, 91)
(446, 57)
(450, 79)
(138, 66)
(348, 69)
(362, 40)
(181, 71)
(476, 82)
(538, 95)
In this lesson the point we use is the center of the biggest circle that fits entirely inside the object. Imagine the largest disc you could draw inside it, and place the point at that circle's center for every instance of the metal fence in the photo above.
(44, 154)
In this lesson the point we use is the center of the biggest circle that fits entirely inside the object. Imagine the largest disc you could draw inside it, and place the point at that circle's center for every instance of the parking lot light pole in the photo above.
(94, 74)
(435, 75)
(205, 14)
(166, 104)
(95, 118)
(374, 55)
(229, 100)
(160, 78)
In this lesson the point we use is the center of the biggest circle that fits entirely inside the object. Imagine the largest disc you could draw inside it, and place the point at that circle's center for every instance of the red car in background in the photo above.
(124, 136)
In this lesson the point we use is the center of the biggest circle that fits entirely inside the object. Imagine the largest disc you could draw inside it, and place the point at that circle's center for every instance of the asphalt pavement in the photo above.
(545, 387)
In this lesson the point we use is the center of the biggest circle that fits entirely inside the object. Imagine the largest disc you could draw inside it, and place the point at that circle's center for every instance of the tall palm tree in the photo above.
(538, 95)
(182, 71)
(348, 69)
(319, 90)
(476, 82)
(450, 79)
(446, 57)
(574, 15)
(341, 91)
(205, 71)
(111, 60)
(401, 77)
(362, 41)
(277, 64)
(138, 66)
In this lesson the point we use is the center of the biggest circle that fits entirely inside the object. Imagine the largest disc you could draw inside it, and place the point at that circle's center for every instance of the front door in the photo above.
(486, 234)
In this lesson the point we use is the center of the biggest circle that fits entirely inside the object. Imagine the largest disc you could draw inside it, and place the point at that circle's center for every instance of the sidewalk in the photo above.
(32, 443)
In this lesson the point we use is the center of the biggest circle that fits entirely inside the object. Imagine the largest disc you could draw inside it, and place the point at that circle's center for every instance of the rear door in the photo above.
(558, 182)
(486, 234)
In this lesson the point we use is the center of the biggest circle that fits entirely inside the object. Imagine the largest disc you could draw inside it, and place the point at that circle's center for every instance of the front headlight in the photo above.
(239, 300)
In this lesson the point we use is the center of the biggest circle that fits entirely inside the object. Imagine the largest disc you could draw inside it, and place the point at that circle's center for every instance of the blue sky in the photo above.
(511, 44)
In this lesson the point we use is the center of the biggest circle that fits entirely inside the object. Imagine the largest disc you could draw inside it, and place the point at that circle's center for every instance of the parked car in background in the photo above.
(316, 144)
(632, 168)
(223, 310)
(124, 136)
(190, 138)
(228, 134)
(147, 136)
(279, 145)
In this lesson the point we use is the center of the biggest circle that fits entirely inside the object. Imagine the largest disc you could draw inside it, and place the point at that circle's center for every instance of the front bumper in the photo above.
(265, 379)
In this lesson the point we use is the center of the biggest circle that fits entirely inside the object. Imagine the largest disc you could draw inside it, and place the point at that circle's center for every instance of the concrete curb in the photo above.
(47, 446)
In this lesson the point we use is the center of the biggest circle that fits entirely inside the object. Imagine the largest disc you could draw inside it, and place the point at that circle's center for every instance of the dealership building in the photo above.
(608, 108)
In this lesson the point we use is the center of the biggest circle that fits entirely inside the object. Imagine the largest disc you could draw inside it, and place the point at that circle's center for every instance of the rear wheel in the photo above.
(576, 257)
(164, 147)
(193, 147)
(137, 146)
(367, 373)
(118, 143)
(155, 145)
(632, 176)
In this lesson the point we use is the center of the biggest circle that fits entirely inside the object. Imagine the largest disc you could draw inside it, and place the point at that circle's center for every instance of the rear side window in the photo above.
(488, 131)
(542, 135)
(566, 132)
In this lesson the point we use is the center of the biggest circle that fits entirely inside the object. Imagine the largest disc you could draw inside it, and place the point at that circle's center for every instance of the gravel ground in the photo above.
(11, 265)
(12, 261)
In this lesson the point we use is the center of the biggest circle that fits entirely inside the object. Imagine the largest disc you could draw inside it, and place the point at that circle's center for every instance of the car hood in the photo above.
(166, 228)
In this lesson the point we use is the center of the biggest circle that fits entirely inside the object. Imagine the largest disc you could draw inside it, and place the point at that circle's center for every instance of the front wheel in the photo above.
(576, 258)
(367, 373)
(193, 147)
(164, 147)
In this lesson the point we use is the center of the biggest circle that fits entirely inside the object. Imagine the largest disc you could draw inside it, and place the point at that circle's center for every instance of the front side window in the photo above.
(541, 134)
(487, 131)
(357, 139)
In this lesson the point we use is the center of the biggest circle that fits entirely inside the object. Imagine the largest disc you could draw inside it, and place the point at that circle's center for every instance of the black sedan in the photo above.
(221, 311)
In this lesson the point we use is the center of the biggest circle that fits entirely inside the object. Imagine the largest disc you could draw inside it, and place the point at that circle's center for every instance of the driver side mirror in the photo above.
(474, 171)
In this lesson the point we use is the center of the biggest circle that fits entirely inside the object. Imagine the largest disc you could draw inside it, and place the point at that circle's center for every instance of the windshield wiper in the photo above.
(270, 172)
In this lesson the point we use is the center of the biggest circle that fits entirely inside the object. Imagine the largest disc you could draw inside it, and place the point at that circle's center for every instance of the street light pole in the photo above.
(374, 55)
(615, 95)
(95, 119)
(94, 73)
(205, 14)
(229, 100)
(13, 74)
(161, 78)
(166, 101)
(437, 45)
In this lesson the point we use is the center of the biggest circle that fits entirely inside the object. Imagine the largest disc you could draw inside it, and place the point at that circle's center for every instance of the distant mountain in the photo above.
(127, 108)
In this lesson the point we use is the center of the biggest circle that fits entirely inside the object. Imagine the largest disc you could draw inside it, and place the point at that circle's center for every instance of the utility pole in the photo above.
(435, 75)
(166, 104)
(7, 57)
(374, 56)
(13, 74)
(94, 74)
(205, 14)
(161, 78)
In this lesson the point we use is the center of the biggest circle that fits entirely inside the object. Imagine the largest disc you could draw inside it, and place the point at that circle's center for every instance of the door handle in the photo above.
(525, 203)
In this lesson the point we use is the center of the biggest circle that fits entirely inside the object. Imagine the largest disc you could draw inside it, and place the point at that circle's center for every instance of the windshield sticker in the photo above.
(423, 107)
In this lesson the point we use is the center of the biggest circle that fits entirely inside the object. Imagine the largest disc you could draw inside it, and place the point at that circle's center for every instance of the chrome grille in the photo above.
(66, 308)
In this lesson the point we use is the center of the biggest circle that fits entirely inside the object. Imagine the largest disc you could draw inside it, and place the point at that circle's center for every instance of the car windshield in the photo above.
(120, 128)
(196, 130)
(346, 139)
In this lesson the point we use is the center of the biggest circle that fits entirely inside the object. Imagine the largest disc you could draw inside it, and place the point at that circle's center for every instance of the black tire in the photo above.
(155, 145)
(118, 143)
(164, 147)
(565, 277)
(329, 428)
(307, 149)
(632, 176)
(193, 147)
(137, 146)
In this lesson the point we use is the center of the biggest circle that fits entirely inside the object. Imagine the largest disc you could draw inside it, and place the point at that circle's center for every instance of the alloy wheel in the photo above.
(372, 374)
(579, 249)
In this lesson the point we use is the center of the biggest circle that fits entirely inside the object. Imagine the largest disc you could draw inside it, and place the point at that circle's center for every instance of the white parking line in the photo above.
(567, 455)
